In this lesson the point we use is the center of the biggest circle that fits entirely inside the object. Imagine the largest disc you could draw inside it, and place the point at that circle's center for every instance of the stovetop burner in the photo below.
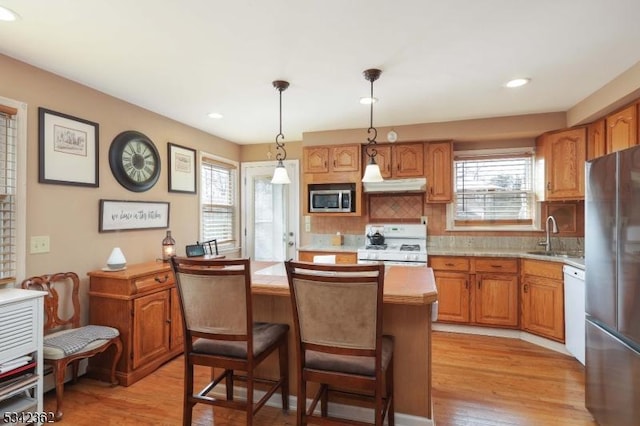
(376, 247)
(410, 247)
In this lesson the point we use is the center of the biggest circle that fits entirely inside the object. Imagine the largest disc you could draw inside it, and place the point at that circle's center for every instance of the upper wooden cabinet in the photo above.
(560, 158)
(333, 158)
(596, 141)
(439, 171)
(622, 129)
(398, 160)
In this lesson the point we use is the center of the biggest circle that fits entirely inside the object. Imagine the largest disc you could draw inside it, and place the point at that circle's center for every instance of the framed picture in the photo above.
(118, 215)
(67, 150)
(182, 169)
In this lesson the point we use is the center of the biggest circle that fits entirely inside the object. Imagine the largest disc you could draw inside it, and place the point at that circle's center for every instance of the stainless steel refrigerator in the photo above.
(612, 266)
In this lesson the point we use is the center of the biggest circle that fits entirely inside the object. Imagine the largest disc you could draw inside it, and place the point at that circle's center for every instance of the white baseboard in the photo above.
(501, 332)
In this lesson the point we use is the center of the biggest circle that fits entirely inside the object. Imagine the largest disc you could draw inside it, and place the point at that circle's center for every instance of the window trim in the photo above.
(21, 187)
(498, 227)
(236, 198)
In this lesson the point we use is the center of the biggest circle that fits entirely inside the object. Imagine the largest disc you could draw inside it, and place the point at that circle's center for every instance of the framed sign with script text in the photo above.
(129, 215)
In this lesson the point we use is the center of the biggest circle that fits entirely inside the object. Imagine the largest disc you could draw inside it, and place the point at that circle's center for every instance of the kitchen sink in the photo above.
(573, 254)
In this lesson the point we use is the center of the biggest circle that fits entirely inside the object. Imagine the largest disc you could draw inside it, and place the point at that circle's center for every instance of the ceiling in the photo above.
(441, 60)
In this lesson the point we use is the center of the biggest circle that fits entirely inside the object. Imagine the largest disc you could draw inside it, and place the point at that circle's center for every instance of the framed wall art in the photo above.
(116, 215)
(67, 150)
(182, 169)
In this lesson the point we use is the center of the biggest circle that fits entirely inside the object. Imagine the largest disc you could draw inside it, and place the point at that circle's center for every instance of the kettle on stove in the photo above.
(377, 239)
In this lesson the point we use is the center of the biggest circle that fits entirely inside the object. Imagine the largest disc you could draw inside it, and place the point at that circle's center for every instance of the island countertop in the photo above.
(402, 284)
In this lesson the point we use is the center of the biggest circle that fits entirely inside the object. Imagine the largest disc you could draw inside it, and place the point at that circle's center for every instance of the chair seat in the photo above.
(364, 366)
(264, 335)
(76, 341)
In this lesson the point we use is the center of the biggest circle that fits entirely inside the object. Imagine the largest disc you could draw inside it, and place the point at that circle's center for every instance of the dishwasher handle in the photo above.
(573, 272)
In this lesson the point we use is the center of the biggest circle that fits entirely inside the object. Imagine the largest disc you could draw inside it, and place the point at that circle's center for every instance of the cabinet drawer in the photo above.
(153, 280)
(496, 265)
(541, 268)
(449, 263)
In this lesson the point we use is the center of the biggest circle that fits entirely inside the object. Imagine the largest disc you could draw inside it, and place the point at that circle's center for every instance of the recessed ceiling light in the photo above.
(517, 82)
(368, 101)
(215, 115)
(7, 14)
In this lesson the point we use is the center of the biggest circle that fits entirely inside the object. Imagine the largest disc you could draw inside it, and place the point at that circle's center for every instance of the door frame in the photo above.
(293, 168)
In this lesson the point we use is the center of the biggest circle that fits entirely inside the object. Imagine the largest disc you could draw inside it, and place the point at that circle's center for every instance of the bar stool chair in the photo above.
(337, 313)
(215, 298)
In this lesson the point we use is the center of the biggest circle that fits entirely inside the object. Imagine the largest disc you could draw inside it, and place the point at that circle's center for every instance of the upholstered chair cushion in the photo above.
(264, 334)
(350, 364)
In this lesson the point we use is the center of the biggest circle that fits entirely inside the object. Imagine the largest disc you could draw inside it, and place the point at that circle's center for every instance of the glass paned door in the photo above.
(270, 212)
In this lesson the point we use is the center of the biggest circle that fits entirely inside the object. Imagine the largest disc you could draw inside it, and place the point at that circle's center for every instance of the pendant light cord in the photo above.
(281, 153)
(371, 75)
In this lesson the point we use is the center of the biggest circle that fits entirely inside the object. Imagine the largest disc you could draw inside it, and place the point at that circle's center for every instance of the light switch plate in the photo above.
(39, 244)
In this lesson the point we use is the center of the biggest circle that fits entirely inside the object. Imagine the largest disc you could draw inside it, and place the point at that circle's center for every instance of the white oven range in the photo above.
(402, 244)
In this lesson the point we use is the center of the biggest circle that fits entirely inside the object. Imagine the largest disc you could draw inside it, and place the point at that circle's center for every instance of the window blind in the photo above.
(218, 198)
(8, 166)
(494, 189)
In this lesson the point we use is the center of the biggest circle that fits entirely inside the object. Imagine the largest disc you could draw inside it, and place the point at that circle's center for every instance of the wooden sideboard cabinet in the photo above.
(142, 303)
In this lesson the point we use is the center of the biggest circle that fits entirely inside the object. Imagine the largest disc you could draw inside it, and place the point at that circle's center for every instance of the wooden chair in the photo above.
(210, 247)
(337, 313)
(215, 297)
(65, 341)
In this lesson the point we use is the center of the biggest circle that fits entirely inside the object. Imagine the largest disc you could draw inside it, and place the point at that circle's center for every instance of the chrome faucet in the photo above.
(553, 228)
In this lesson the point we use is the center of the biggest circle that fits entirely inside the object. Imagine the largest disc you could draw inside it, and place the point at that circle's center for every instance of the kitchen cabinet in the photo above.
(482, 291)
(438, 159)
(401, 160)
(21, 328)
(142, 303)
(332, 158)
(596, 140)
(560, 158)
(622, 129)
(341, 257)
(543, 299)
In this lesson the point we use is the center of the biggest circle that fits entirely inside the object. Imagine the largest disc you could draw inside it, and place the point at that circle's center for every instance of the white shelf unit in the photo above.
(21, 329)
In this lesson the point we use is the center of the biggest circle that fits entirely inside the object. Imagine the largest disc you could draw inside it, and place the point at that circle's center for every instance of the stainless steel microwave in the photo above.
(331, 201)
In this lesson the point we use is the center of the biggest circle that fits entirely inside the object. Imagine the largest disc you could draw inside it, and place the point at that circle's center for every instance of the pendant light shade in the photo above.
(280, 175)
(372, 172)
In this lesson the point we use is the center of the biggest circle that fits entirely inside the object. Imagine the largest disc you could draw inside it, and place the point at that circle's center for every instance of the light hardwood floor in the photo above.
(477, 380)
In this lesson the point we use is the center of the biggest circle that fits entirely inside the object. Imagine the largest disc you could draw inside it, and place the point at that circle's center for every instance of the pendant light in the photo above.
(280, 175)
(372, 172)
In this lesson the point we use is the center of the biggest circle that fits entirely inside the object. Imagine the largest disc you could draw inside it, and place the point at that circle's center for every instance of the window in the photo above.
(8, 187)
(494, 188)
(219, 202)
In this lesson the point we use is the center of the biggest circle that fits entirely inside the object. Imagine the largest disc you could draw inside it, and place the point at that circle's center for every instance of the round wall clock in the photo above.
(134, 161)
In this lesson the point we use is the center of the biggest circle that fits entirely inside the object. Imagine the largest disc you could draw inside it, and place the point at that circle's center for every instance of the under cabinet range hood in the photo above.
(396, 185)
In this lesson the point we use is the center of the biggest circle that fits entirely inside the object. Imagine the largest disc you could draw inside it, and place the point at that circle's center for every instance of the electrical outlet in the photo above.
(307, 223)
(40, 244)
(423, 220)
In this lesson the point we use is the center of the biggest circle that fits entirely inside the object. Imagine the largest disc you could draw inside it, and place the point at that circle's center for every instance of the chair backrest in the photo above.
(62, 288)
(337, 308)
(215, 297)
(210, 247)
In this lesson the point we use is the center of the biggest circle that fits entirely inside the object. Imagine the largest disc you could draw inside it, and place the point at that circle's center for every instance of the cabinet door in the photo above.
(316, 160)
(496, 299)
(543, 307)
(565, 154)
(408, 160)
(345, 158)
(151, 327)
(439, 172)
(622, 129)
(383, 159)
(453, 296)
(596, 141)
(177, 328)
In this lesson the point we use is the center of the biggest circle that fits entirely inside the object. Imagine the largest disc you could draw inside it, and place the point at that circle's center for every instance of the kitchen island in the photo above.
(409, 293)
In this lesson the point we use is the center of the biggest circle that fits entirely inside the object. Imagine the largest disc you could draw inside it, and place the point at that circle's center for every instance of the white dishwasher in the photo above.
(574, 311)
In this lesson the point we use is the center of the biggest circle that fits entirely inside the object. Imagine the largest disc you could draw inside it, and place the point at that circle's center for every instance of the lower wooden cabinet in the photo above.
(341, 257)
(481, 291)
(142, 303)
(543, 299)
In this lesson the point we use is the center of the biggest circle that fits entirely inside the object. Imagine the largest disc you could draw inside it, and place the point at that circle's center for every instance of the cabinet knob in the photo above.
(162, 280)
(496, 266)
(549, 186)
(526, 288)
(466, 283)
(479, 283)
(448, 264)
